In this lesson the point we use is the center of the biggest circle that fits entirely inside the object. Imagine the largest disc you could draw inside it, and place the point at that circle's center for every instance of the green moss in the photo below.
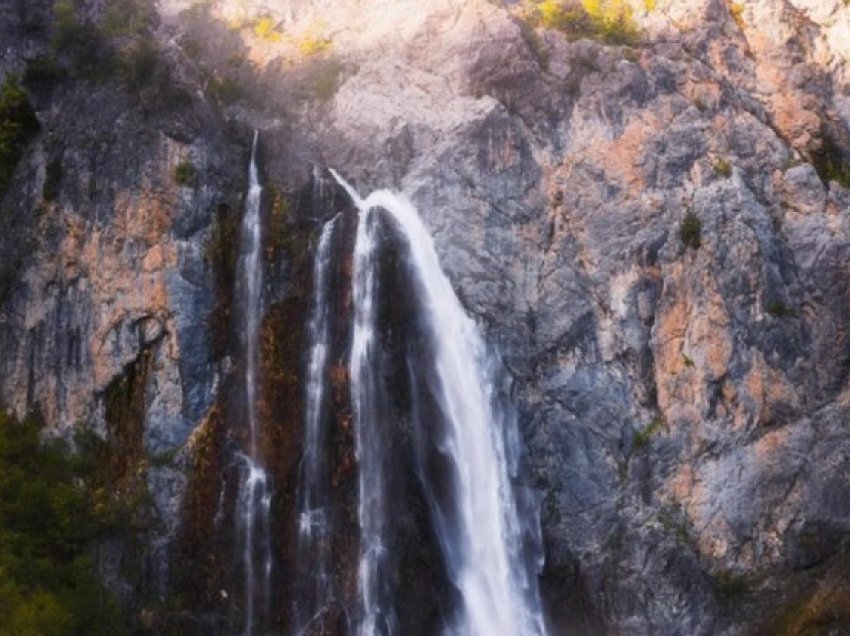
(225, 90)
(690, 231)
(18, 125)
(185, 173)
(830, 161)
(730, 587)
(125, 18)
(643, 436)
(674, 521)
(723, 168)
(778, 309)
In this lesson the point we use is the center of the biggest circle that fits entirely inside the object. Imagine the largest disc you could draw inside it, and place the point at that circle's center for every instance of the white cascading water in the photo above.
(313, 524)
(479, 527)
(254, 502)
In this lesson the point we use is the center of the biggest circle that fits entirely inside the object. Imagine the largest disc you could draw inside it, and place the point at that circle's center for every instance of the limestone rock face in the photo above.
(683, 403)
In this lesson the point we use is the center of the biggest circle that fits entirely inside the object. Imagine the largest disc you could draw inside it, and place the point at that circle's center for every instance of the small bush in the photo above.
(43, 70)
(140, 65)
(313, 40)
(690, 231)
(608, 21)
(18, 124)
(674, 520)
(47, 523)
(830, 161)
(52, 180)
(66, 26)
(225, 90)
(778, 309)
(723, 168)
(642, 437)
(730, 587)
(326, 79)
(185, 173)
(266, 29)
(125, 18)
(90, 54)
(688, 361)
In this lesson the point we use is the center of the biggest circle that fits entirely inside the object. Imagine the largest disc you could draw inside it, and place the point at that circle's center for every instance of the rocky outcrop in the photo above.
(682, 394)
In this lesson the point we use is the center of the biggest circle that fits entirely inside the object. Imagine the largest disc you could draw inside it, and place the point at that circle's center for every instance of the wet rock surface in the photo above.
(682, 398)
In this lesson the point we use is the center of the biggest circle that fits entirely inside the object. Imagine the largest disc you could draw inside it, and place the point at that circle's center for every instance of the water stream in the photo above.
(254, 501)
(313, 523)
(464, 448)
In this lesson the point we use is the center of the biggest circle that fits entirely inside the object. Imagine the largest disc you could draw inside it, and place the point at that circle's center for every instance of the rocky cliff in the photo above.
(650, 221)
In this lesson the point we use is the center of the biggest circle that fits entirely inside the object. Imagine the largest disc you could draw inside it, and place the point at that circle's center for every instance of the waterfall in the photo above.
(464, 460)
(254, 500)
(313, 523)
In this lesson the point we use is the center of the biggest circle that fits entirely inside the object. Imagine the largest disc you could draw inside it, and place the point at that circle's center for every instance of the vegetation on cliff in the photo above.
(17, 126)
(48, 524)
(609, 21)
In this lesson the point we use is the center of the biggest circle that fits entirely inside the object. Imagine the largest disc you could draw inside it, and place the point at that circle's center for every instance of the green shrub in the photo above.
(82, 43)
(266, 29)
(690, 231)
(674, 520)
(140, 65)
(66, 26)
(608, 21)
(326, 77)
(225, 90)
(52, 179)
(642, 437)
(730, 587)
(124, 18)
(723, 168)
(18, 124)
(778, 309)
(830, 161)
(185, 173)
(313, 40)
(47, 581)
(43, 70)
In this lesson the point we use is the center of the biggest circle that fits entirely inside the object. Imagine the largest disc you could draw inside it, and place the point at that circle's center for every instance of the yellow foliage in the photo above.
(737, 11)
(610, 21)
(266, 29)
(313, 40)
